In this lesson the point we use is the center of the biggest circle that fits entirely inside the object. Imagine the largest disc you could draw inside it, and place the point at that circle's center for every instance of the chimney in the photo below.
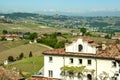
(103, 45)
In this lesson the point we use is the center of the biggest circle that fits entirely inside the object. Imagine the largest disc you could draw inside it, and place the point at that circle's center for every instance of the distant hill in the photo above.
(84, 14)
(93, 22)
(18, 15)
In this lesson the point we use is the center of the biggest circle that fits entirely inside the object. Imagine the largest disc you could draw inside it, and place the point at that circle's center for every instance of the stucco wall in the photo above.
(102, 65)
(87, 48)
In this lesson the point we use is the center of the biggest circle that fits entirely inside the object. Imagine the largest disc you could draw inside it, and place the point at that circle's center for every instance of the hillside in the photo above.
(28, 66)
(5, 45)
(31, 27)
(9, 48)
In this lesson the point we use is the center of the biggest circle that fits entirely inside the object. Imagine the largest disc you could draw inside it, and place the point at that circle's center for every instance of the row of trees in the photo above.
(51, 40)
(21, 56)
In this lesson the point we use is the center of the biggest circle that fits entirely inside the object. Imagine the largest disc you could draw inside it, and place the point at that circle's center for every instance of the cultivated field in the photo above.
(31, 27)
(14, 48)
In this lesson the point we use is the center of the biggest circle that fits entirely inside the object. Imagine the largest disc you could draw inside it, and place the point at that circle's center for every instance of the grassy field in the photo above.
(10, 48)
(31, 27)
(5, 45)
(28, 66)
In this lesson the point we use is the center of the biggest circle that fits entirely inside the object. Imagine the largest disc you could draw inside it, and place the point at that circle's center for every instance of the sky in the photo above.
(72, 6)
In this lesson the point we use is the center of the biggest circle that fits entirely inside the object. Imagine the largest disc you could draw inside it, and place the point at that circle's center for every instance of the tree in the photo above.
(33, 36)
(30, 54)
(83, 30)
(60, 44)
(21, 56)
(107, 36)
(10, 58)
(3, 38)
(5, 32)
(117, 41)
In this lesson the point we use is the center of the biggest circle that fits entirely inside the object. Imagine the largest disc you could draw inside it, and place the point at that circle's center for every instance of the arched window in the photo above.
(89, 77)
(80, 47)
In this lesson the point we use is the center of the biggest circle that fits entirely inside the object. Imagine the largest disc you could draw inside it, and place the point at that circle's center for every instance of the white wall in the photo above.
(58, 62)
(54, 66)
(106, 65)
(87, 48)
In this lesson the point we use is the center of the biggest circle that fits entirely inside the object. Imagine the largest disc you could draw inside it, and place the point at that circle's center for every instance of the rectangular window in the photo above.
(89, 62)
(50, 59)
(114, 64)
(71, 60)
(80, 61)
(50, 73)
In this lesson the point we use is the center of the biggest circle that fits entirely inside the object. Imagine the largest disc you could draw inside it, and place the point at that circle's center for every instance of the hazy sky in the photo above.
(59, 5)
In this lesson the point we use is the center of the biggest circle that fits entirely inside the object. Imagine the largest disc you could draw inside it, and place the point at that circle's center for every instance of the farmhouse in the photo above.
(83, 60)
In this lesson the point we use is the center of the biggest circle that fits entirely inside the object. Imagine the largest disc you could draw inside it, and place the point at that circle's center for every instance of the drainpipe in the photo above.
(96, 68)
(64, 65)
(119, 71)
(118, 61)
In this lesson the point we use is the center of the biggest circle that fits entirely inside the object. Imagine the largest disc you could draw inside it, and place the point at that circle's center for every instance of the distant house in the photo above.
(74, 33)
(1, 17)
(35, 41)
(40, 36)
(5, 62)
(11, 36)
(115, 37)
(83, 59)
(103, 35)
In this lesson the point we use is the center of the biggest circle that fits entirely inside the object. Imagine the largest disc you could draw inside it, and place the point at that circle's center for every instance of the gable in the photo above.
(80, 46)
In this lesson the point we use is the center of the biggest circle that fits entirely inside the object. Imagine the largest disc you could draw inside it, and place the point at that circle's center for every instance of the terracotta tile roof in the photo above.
(94, 44)
(42, 78)
(90, 41)
(111, 51)
(55, 51)
(85, 38)
(10, 74)
(62, 52)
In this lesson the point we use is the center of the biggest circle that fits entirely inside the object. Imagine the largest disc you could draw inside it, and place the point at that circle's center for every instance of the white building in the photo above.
(5, 62)
(82, 60)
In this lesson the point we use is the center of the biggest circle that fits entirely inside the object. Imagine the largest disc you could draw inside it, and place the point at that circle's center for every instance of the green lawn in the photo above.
(28, 66)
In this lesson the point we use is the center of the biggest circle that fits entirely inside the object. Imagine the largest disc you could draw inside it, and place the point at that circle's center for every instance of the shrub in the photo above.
(30, 54)
(10, 58)
(21, 56)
